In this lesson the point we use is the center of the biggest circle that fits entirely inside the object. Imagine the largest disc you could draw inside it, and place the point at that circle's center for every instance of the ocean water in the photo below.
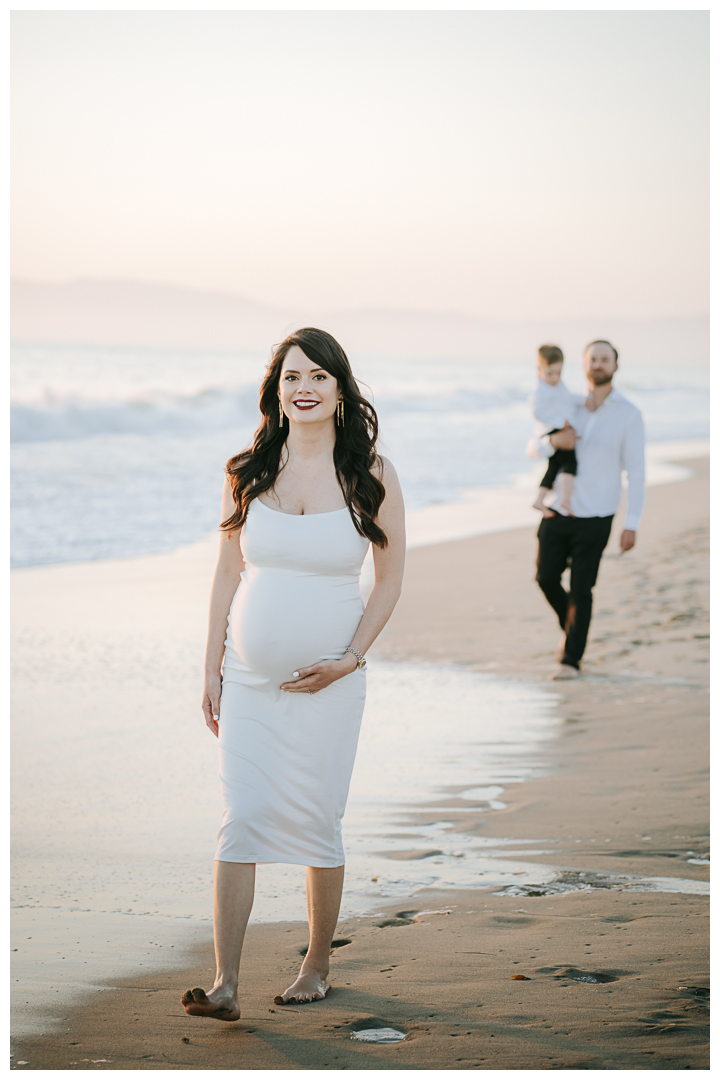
(120, 452)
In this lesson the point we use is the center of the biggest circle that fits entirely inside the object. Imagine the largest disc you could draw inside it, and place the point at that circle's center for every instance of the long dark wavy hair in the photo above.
(256, 470)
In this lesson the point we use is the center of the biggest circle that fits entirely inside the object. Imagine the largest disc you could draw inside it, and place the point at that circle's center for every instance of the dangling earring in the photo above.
(340, 418)
(282, 414)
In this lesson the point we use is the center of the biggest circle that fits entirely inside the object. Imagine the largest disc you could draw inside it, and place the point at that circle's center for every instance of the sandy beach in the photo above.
(610, 974)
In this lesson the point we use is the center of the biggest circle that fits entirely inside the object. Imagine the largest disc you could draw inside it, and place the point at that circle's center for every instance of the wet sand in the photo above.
(614, 979)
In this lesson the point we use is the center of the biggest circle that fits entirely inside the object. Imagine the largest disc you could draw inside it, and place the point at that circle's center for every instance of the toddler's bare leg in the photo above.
(566, 487)
(539, 503)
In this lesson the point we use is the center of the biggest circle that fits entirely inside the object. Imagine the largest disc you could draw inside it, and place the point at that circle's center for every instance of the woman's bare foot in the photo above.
(220, 1004)
(310, 985)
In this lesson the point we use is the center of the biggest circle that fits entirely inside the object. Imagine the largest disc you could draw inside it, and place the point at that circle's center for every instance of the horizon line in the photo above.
(289, 309)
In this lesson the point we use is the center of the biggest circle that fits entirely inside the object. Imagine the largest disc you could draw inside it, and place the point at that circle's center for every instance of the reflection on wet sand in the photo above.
(108, 880)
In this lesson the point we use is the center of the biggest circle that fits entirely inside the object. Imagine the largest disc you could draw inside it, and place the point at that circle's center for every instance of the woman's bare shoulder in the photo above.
(385, 471)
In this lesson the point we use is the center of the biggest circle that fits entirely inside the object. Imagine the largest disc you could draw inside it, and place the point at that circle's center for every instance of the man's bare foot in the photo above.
(310, 985)
(565, 671)
(219, 1004)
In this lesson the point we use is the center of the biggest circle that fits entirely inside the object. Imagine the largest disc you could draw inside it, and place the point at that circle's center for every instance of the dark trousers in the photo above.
(561, 461)
(579, 543)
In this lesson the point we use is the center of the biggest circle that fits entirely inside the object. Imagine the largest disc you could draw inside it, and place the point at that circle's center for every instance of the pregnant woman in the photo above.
(288, 630)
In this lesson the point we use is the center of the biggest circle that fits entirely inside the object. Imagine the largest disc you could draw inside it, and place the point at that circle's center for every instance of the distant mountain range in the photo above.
(136, 313)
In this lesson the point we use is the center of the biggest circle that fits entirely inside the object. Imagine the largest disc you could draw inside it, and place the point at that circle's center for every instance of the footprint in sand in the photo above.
(401, 918)
(336, 943)
(576, 975)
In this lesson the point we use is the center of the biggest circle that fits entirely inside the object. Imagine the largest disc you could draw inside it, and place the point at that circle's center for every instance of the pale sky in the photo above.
(504, 164)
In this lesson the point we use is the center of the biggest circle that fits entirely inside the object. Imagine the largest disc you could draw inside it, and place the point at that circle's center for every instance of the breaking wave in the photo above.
(73, 417)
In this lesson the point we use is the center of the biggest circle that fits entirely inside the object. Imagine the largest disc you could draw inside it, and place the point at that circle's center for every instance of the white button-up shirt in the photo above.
(612, 440)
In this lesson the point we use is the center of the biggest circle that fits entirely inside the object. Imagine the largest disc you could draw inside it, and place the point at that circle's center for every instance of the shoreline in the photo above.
(500, 508)
(619, 724)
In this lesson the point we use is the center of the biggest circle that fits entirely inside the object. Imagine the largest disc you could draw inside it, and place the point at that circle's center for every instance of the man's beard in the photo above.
(599, 378)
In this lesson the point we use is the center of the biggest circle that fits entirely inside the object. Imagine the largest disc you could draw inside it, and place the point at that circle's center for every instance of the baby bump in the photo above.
(281, 621)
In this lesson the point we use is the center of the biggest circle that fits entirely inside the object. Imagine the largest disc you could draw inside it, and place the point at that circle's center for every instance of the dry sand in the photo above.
(629, 794)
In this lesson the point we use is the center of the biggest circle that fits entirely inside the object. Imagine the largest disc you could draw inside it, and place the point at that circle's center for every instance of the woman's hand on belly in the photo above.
(318, 676)
(211, 701)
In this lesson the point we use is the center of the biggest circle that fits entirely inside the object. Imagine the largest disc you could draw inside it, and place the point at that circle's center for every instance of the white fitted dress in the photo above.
(286, 758)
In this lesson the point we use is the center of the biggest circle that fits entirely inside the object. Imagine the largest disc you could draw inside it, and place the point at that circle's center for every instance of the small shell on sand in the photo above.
(378, 1035)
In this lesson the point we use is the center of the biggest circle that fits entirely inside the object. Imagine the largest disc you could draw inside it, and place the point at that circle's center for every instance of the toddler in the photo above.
(553, 404)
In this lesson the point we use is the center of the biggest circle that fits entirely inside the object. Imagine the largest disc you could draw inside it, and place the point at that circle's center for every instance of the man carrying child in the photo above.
(608, 438)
